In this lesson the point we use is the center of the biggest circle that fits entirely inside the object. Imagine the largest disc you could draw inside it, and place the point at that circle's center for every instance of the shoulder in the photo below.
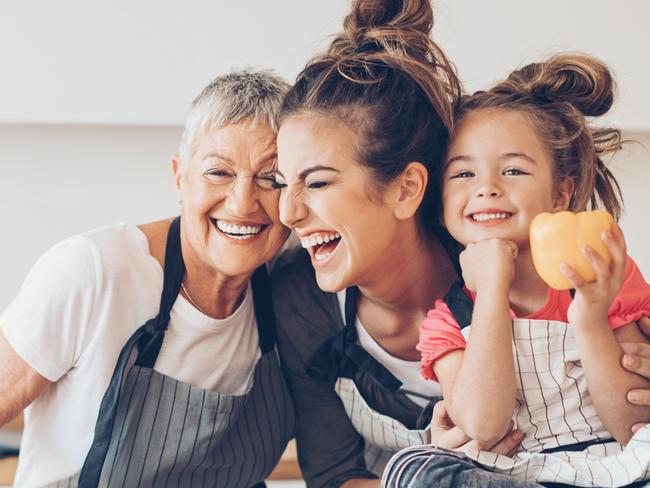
(306, 315)
(633, 299)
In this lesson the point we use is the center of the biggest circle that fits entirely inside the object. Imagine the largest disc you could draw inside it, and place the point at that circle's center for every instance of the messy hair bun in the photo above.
(384, 77)
(578, 79)
(557, 95)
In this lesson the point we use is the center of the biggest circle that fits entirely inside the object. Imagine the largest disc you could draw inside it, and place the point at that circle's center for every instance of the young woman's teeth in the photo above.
(238, 231)
(313, 241)
(489, 216)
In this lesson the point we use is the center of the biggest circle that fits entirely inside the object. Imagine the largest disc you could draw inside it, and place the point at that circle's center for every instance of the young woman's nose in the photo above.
(292, 208)
(242, 199)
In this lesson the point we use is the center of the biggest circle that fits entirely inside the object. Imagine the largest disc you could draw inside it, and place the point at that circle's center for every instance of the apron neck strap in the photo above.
(263, 304)
(174, 271)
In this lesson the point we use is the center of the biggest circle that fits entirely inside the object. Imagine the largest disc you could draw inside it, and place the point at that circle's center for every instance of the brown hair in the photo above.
(389, 82)
(556, 95)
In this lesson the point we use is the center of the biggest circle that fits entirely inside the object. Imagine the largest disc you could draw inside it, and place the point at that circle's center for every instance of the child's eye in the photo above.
(514, 172)
(462, 174)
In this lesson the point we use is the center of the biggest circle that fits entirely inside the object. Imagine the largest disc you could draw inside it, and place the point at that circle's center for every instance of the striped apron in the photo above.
(339, 360)
(565, 440)
(153, 430)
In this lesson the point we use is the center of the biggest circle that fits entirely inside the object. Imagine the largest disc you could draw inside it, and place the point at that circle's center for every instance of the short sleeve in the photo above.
(439, 334)
(45, 322)
(633, 299)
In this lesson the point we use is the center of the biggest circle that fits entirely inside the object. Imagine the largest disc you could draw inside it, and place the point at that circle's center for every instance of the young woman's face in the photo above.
(326, 199)
(498, 177)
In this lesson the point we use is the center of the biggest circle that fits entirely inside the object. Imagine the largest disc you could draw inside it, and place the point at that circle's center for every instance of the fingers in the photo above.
(636, 358)
(574, 278)
(601, 268)
(639, 397)
(440, 418)
(644, 325)
(453, 438)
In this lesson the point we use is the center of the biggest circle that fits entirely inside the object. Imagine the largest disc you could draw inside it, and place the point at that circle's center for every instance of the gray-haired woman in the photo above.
(146, 354)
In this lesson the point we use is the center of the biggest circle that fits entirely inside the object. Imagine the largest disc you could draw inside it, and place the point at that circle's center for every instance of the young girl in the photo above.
(552, 357)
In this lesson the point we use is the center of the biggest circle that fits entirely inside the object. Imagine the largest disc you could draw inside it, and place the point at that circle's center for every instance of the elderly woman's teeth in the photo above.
(238, 231)
(316, 240)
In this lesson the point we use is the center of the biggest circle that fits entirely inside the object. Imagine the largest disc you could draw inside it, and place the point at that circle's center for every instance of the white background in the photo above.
(93, 94)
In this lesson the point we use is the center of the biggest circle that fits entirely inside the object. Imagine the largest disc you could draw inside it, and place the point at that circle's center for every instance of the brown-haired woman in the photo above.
(552, 356)
(360, 147)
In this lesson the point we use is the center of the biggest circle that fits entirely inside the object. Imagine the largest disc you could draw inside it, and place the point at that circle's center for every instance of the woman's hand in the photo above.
(637, 360)
(490, 262)
(445, 434)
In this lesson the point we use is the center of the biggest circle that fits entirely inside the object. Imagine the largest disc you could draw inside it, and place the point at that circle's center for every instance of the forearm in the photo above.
(483, 392)
(608, 381)
(361, 483)
(19, 383)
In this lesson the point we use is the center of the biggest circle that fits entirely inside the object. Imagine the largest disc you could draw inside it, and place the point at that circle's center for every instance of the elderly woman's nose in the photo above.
(292, 209)
(242, 199)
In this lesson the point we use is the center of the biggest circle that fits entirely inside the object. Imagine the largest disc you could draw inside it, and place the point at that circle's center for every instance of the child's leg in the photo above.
(429, 467)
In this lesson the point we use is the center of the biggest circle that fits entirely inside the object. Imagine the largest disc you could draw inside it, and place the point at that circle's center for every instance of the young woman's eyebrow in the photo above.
(306, 172)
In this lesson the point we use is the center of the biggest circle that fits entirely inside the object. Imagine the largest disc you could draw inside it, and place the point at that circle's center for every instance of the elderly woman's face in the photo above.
(229, 203)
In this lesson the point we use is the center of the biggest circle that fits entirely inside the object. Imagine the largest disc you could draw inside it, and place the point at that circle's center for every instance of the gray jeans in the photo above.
(426, 468)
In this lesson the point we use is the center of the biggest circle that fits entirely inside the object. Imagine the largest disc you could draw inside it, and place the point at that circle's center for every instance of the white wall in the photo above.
(92, 94)
(140, 62)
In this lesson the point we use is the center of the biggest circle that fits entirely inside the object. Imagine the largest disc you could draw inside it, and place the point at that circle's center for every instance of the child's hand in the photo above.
(592, 300)
(488, 263)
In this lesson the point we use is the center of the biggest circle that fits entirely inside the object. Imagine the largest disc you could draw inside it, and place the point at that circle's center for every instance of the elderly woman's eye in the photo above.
(266, 182)
(218, 175)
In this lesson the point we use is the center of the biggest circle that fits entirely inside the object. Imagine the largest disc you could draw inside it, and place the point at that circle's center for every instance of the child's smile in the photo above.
(498, 177)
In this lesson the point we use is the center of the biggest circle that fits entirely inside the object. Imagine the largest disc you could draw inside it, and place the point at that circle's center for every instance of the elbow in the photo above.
(486, 428)
(486, 433)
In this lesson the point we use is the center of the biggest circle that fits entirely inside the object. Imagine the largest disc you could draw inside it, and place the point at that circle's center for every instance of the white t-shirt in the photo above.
(76, 310)
(414, 385)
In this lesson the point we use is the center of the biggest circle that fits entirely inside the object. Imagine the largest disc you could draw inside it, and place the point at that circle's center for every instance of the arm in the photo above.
(479, 384)
(20, 384)
(599, 346)
(330, 451)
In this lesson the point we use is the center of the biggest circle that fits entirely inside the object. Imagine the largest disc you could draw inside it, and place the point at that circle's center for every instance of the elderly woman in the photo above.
(146, 354)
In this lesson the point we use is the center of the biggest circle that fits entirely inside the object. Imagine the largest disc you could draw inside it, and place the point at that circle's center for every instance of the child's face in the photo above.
(498, 176)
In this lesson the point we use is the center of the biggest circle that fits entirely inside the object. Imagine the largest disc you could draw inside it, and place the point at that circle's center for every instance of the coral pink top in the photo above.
(440, 333)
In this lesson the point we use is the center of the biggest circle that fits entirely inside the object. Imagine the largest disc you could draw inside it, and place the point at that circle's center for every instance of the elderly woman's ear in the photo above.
(177, 170)
(410, 188)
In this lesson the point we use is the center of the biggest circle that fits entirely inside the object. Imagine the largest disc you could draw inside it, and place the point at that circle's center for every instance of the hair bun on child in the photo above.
(579, 79)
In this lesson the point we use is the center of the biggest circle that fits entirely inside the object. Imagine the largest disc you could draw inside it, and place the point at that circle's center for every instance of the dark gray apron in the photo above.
(153, 430)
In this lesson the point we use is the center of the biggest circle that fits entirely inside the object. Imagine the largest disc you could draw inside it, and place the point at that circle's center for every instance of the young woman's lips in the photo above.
(320, 245)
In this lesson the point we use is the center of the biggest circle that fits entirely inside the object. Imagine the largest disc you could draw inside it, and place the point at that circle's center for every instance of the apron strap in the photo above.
(264, 315)
(342, 356)
(460, 305)
(174, 271)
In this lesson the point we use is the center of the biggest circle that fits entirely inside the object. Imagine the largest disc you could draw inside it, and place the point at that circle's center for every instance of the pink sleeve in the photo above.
(439, 334)
(633, 299)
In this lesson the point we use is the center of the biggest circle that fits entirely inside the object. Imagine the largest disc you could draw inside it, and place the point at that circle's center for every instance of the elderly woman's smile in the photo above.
(229, 201)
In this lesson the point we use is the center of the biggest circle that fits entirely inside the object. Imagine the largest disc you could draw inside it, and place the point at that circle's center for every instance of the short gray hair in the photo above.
(254, 95)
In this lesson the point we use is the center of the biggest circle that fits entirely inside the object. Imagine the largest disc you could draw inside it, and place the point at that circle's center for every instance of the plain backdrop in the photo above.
(93, 94)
